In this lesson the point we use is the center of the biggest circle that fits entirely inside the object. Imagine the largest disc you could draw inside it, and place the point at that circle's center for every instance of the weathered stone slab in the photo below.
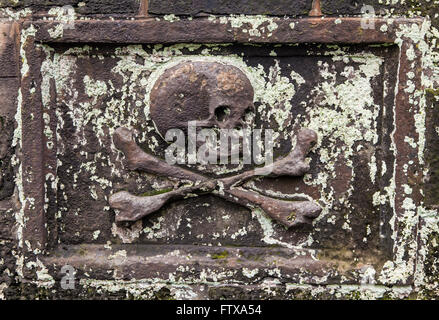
(260, 30)
(94, 106)
(266, 7)
(206, 220)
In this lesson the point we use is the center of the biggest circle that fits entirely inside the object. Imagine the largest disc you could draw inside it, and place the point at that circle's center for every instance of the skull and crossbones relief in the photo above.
(213, 94)
(201, 91)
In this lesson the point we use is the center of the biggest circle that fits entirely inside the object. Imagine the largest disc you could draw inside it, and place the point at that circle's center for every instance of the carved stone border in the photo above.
(37, 163)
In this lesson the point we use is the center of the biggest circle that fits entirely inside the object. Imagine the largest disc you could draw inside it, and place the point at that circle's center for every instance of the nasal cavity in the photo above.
(222, 113)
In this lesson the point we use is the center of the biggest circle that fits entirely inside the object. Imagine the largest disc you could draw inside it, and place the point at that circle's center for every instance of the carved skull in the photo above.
(213, 94)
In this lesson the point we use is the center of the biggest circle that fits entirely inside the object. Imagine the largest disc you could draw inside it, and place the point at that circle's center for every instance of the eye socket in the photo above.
(222, 113)
(249, 114)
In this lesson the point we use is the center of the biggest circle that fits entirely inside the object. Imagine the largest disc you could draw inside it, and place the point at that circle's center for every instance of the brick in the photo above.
(8, 51)
(432, 151)
(7, 220)
(352, 8)
(194, 7)
(34, 3)
(8, 94)
(109, 7)
(346, 7)
(87, 7)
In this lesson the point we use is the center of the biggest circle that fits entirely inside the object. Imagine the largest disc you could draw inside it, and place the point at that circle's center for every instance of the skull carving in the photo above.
(213, 94)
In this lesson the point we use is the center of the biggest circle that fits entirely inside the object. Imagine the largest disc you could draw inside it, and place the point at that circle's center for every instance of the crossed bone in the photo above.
(130, 208)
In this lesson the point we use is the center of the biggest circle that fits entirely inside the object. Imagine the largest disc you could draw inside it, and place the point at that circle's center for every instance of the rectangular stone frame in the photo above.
(37, 162)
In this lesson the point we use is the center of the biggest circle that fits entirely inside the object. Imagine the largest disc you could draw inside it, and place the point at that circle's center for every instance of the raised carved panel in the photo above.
(344, 149)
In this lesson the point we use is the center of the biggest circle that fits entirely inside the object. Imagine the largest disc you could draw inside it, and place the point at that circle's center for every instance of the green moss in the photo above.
(82, 251)
(381, 45)
(253, 257)
(292, 216)
(434, 92)
(221, 255)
